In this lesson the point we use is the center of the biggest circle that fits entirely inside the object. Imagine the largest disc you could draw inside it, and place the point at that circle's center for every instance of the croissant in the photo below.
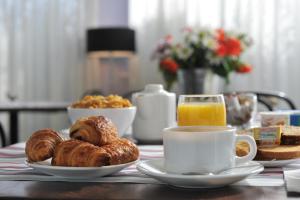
(121, 151)
(97, 130)
(78, 153)
(40, 146)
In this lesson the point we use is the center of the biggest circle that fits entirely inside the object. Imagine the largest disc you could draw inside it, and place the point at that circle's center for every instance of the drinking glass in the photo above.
(201, 110)
(241, 109)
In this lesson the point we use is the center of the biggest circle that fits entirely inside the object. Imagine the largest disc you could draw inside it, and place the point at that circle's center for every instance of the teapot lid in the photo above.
(153, 88)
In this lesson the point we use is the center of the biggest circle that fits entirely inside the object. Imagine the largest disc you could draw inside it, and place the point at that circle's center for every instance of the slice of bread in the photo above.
(282, 152)
(290, 135)
(242, 148)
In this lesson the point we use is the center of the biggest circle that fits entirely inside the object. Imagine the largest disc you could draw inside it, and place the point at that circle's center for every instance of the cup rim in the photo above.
(240, 94)
(206, 129)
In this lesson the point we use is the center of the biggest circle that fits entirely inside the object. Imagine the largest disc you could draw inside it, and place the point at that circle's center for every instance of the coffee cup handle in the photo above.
(253, 148)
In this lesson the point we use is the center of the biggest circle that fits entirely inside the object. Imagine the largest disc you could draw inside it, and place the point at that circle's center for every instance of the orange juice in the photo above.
(201, 114)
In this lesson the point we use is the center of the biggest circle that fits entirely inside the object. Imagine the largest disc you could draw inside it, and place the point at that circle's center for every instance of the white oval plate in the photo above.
(76, 172)
(277, 163)
(155, 169)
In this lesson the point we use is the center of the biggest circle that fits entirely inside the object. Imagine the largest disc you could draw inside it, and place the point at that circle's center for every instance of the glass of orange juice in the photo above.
(201, 110)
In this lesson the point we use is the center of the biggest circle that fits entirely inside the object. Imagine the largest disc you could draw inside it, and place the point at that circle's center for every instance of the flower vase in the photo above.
(198, 81)
(191, 81)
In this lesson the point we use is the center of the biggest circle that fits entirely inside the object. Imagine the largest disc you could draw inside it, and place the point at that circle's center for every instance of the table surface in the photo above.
(33, 106)
(67, 190)
(15, 107)
(13, 158)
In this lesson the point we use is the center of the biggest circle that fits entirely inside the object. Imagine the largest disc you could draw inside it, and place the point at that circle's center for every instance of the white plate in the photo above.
(76, 172)
(278, 163)
(155, 169)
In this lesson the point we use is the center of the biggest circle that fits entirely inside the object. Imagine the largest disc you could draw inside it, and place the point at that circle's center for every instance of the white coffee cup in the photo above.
(203, 150)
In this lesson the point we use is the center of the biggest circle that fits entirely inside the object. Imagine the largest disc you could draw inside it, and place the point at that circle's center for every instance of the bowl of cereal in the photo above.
(119, 110)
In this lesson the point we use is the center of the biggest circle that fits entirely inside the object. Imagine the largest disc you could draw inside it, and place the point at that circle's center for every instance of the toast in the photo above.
(242, 149)
(290, 135)
(282, 152)
(289, 147)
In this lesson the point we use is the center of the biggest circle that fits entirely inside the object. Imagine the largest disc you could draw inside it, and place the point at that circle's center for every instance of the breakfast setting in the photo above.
(183, 142)
(157, 99)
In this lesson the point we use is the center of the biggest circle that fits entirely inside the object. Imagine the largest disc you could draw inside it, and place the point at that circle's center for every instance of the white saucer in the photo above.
(155, 169)
(76, 172)
(277, 163)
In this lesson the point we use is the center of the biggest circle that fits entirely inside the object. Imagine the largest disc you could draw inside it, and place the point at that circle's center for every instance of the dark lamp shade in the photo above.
(110, 39)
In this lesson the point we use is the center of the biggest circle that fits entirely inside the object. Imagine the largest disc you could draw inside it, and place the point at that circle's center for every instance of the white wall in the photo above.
(113, 13)
(107, 13)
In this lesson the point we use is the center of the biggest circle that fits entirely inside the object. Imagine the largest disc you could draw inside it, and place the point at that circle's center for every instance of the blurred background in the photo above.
(45, 56)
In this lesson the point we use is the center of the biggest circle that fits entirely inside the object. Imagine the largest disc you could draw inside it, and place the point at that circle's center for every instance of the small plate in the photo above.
(76, 172)
(277, 163)
(155, 169)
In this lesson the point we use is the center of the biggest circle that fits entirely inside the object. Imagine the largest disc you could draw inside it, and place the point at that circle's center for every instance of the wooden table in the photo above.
(15, 107)
(65, 190)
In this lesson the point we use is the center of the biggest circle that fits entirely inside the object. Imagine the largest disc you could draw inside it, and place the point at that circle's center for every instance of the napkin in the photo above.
(292, 180)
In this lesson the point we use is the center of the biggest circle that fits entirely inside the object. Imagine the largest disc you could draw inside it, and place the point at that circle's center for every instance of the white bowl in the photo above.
(121, 117)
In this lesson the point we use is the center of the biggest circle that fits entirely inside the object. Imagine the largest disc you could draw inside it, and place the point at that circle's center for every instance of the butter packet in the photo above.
(275, 118)
(295, 119)
(267, 136)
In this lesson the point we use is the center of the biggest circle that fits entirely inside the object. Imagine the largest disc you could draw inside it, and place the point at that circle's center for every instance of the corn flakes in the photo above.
(111, 101)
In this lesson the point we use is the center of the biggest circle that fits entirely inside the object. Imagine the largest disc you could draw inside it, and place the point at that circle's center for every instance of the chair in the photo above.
(2, 136)
(273, 100)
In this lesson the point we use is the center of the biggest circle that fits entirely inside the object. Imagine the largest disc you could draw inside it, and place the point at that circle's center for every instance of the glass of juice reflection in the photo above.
(201, 110)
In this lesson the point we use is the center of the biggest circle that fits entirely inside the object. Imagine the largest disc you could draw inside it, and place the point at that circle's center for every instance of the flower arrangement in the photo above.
(217, 50)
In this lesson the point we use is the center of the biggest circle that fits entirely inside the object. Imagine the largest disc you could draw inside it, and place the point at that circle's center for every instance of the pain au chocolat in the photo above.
(94, 143)
(97, 130)
(76, 153)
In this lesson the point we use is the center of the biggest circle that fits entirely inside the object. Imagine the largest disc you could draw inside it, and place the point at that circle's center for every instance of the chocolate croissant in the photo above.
(121, 151)
(40, 146)
(97, 130)
(78, 153)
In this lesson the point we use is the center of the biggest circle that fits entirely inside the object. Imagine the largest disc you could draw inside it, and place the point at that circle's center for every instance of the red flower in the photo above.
(220, 35)
(233, 47)
(227, 46)
(221, 50)
(169, 65)
(244, 69)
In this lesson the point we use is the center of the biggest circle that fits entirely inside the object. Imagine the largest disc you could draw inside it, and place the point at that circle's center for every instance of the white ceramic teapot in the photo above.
(156, 110)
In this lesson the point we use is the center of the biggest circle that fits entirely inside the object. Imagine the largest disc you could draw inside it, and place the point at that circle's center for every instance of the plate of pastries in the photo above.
(93, 150)
(283, 149)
